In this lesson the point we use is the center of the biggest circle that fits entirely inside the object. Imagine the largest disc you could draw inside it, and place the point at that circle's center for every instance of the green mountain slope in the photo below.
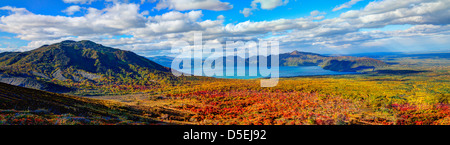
(70, 62)
(84, 55)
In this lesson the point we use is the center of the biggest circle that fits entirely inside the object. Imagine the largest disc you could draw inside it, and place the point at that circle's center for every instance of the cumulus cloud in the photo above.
(114, 20)
(220, 17)
(72, 9)
(429, 18)
(183, 5)
(171, 22)
(269, 4)
(264, 4)
(14, 9)
(246, 11)
(346, 5)
(317, 15)
(405, 12)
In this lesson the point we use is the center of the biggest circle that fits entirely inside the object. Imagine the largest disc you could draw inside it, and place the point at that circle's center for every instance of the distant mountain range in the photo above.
(296, 58)
(417, 55)
(71, 61)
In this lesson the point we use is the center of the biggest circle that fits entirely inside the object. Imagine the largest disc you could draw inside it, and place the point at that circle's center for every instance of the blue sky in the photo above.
(149, 27)
(293, 9)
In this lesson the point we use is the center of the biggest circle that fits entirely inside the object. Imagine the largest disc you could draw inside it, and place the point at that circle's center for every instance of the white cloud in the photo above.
(220, 17)
(264, 4)
(248, 27)
(171, 22)
(317, 15)
(406, 12)
(79, 1)
(430, 17)
(72, 9)
(269, 4)
(15, 10)
(114, 20)
(246, 11)
(183, 5)
(346, 5)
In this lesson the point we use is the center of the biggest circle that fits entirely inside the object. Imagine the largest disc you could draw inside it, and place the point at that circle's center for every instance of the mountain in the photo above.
(352, 64)
(297, 58)
(162, 60)
(333, 63)
(69, 62)
(83, 55)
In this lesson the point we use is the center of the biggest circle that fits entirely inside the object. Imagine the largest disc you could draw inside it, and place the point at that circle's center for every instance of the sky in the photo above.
(151, 27)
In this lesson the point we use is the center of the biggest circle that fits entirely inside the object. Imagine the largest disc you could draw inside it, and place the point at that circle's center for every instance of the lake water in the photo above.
(284, 71)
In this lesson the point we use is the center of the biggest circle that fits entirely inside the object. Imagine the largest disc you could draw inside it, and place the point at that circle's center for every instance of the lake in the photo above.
(285, 71)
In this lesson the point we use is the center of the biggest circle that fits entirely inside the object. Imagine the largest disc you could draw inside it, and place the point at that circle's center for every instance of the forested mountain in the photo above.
(334, 63)
(85, 62)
